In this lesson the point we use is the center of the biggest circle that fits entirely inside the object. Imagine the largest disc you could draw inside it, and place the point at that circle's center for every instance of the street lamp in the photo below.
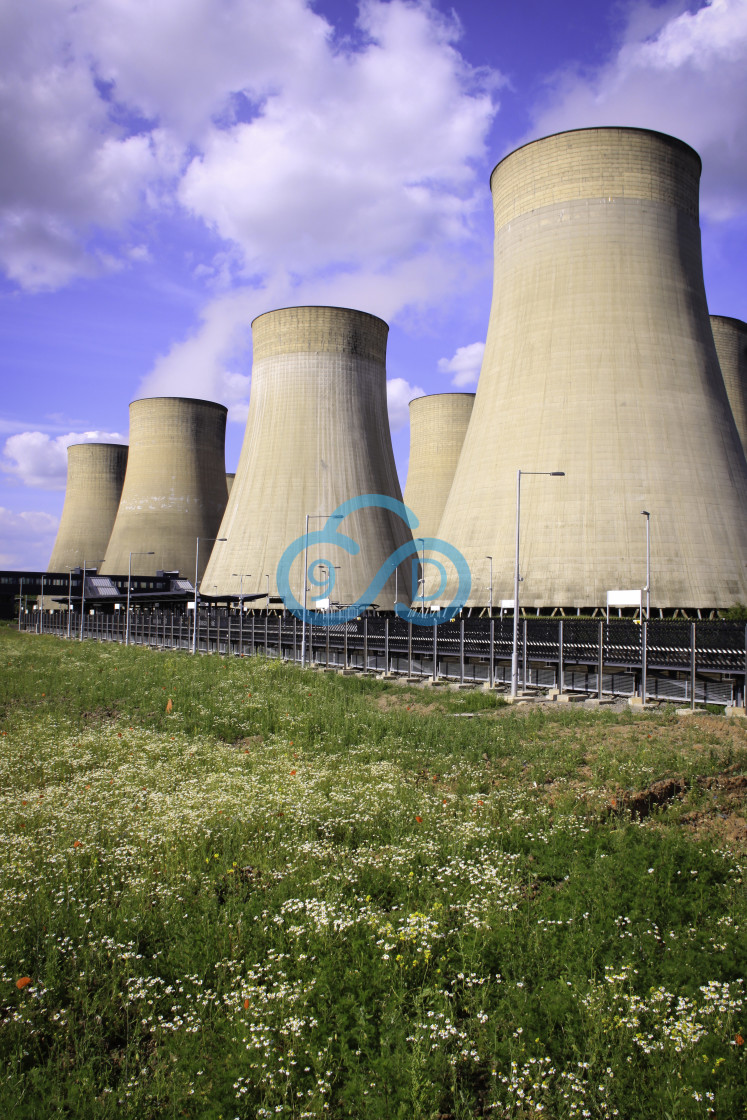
(129, 581)
(309, 517)
(647, 588)
(490, 608)
(267, 608)
(517, 578)
(241, 605)
(197, 568)
(422, 576)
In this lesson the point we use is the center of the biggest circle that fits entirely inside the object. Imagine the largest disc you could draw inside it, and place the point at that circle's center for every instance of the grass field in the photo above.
(236, 889)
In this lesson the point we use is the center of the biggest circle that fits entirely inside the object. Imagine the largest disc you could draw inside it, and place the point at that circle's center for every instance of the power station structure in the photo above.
(95, 476)
(317, 435)
(174, 489)
(600, 363)
(229, 482)
(438, 425)
(730, 337)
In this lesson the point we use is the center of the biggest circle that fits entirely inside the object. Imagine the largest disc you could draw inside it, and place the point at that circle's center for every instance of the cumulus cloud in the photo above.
(39, 460)
(399, 393)
(26, 539)
(304, 154)
(681, 72)
(464, 365)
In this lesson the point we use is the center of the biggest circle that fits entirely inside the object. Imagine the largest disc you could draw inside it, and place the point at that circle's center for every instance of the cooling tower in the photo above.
(95, 474)
(600, 362)
(175, 487)
(438, 425)
(229, 482)
(730, 336)
(317, 435)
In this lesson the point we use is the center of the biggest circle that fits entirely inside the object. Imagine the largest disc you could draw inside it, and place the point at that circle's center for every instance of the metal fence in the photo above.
(684, 662)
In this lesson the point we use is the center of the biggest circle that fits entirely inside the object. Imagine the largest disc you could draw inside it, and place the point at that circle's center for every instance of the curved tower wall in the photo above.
(600, 362)
(174, 489)
(730, 337)
(317, 435)
(438, 425)
(229, 482)
(95, 475)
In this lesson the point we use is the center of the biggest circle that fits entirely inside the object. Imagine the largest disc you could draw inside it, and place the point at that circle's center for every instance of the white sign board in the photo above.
(506, 604)
(624, 598)
(322, 605)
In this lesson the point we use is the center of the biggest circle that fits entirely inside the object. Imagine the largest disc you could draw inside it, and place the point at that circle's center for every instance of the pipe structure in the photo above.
(438, 425)
(600, 358)
(730, 337)
(317, 435)
(95, 476)
(175, 487)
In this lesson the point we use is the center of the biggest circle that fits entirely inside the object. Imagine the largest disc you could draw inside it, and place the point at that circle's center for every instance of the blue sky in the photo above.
(171, 170)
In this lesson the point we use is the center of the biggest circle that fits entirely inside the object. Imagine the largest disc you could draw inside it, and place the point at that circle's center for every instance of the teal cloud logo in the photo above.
(321, 572)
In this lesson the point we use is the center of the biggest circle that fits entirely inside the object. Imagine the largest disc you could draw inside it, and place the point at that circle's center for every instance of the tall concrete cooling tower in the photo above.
(316, 436)
(438, 425)
(95, 475)
(730, 336)
(600, 362)
(175, 487)
(229, 481)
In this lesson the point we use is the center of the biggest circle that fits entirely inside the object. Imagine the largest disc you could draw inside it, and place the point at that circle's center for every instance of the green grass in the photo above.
(301, 895)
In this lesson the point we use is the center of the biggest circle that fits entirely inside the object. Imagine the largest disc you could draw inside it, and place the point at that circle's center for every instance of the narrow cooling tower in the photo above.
(730, 336)
(229, 482)
(95, 474)
(438, 425)
(175, 487)
(600, 362)
(317, 435)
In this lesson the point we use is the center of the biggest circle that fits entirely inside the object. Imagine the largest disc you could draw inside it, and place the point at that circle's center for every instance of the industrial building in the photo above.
(438, 425)
(174, 489)
(600, 363)
(317, 435)
(730, 337)
(95, 476)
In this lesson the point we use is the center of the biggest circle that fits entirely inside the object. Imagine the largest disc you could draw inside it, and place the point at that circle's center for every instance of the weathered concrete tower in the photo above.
(95, 475)
(175, 487)
(438, 425)
(730, 336)
(229, 482)
(317, 435)
(600, 362)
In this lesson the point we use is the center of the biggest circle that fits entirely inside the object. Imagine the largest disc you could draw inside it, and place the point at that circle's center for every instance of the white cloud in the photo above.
(26, 539)
(399, 393)
(39, 460)
(464, 365)
(305, 154)
(683, 73)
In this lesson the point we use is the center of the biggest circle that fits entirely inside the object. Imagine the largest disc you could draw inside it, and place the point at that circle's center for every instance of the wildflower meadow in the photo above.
(235, 888)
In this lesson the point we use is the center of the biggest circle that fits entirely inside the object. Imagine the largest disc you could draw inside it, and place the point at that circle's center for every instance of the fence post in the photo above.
(560, 656)
(491, 668)
(524, 657)
(386, 645)
(692, 665)
(435, 653)
(461, 651)
(409, 649)
(644, 660)
(365, 643)
(600, 662)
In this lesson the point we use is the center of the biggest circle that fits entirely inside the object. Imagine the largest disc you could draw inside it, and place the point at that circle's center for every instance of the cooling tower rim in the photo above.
(96, 443)
(182, 400)
(729, 319)
(320, 307)
(674, 140)
(429, 396)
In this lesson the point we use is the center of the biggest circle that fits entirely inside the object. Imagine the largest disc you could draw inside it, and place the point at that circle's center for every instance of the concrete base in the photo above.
(435, 684)
(387, 676)
(462, 687)
(686, 711)
(564, 697)
(636, 702)
(348, 672)
(595, 702)
(735, 713)
(414, 680)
